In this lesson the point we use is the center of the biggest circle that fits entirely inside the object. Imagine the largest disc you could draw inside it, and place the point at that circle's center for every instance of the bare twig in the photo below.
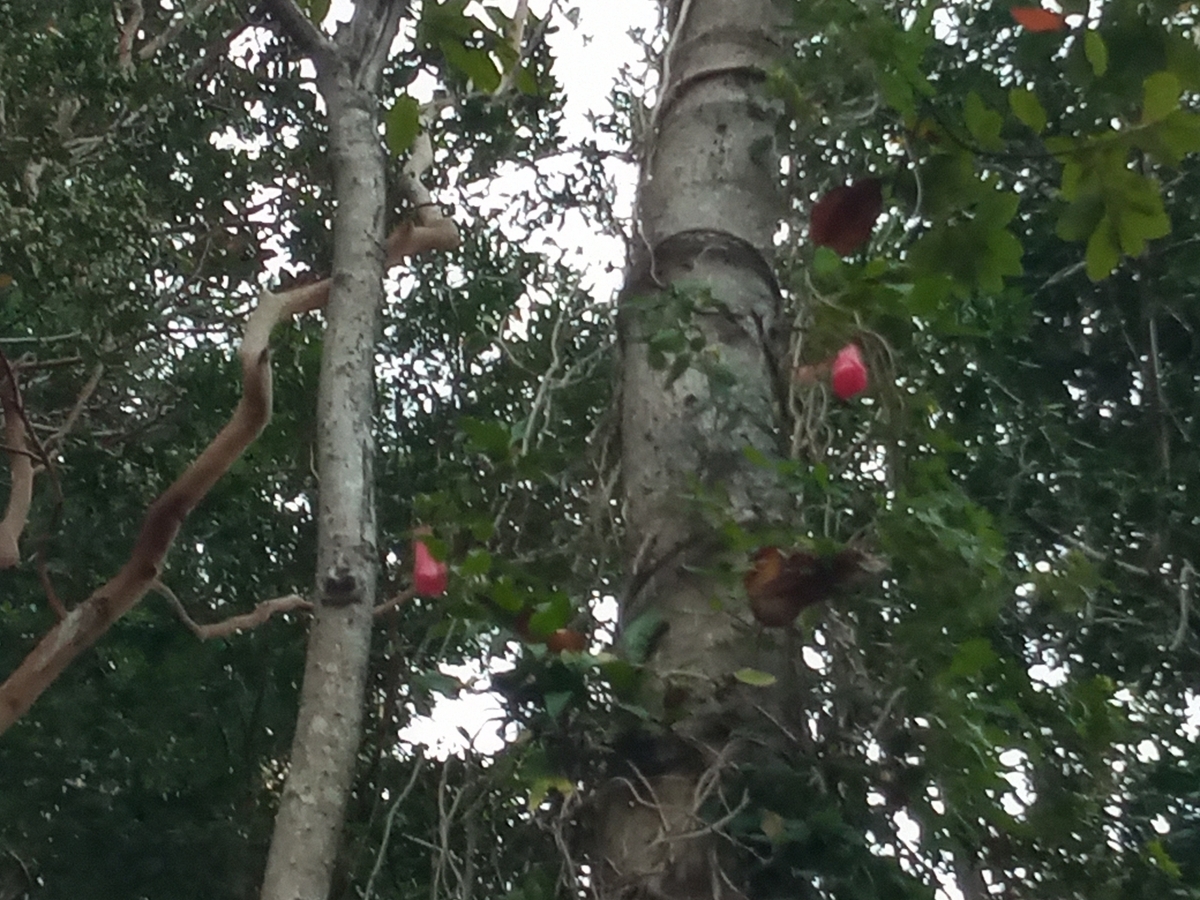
(234, 624)
(1185, 604)
(399, 600)
(387, 828)
(181, 21)
(85, 394)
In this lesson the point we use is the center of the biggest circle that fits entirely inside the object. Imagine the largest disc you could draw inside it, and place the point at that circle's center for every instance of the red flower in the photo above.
(848, 372)
(429, 575)
(1034, 18)
(845, 217)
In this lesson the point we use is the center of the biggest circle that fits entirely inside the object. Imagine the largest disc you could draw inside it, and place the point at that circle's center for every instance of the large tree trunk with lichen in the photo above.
(699, 314)
(309, 823)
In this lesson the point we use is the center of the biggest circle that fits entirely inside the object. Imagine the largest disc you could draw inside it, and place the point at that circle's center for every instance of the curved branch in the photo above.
(84, 624)
(234, 624)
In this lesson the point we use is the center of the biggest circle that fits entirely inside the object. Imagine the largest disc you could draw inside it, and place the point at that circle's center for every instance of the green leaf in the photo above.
(476, 64)
(557, 701)
(552, 614)
(1103, 251)
(491, 438)
(972, 657)
(1080, 218)
(1161, 858)
(1028, 108)
(478, 562)
(639, 635)
(526, 83)
(540, 789)
(401, 124)
(316, 10)
(754, 677)
(1160, 96)
(983, 123)
(826, 262)
(929, 295)
(1096, 52)
(1172, 139)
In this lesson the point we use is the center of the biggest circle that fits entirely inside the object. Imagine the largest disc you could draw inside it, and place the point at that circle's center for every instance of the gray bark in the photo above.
(709, 206)
(308, 827)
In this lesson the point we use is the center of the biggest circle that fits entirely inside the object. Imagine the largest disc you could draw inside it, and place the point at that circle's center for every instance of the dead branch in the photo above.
(84, 624)
(20, 464)
(234, 624)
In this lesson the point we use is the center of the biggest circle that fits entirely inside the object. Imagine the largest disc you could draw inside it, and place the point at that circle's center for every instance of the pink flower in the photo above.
(849, 372)
(429, 575)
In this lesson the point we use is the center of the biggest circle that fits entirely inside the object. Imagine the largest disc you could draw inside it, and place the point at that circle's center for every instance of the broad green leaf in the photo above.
(1172, 139)
(972, 657)
(476, 64)
(1160, 96)
(997, 208)
(928, 295)
(1161, 858)
(639, 635)
(1080, 218)
(541, 788)
(1135, 228)
(491, 437)
(1028, 108)
(552, 614)
(505, 595)
(525, 82)
(401, 124)
(556, 702)
(1103, 251)
(755, 677)
(983, 123)
(826, 262)
(316, 10)
(1096, 52)
(478, 562)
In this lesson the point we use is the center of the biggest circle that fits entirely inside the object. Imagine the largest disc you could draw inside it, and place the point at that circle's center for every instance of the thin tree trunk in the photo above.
(309, 824)
(708, 208)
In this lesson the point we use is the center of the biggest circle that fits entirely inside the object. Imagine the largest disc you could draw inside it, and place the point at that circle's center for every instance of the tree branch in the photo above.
(300, 28)
(176, 25)
(20, 463)
(84, 624)
(234, 624)
(129, 31)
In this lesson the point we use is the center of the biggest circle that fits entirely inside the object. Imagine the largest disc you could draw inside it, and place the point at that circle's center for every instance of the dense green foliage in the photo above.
(1017, 688)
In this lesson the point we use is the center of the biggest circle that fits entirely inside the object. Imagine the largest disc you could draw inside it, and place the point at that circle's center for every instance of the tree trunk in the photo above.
(708, 208)
(308, 827)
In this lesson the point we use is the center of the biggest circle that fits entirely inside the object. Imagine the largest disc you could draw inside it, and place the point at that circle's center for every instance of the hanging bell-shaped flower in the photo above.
(848, 372)
(429, 575)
